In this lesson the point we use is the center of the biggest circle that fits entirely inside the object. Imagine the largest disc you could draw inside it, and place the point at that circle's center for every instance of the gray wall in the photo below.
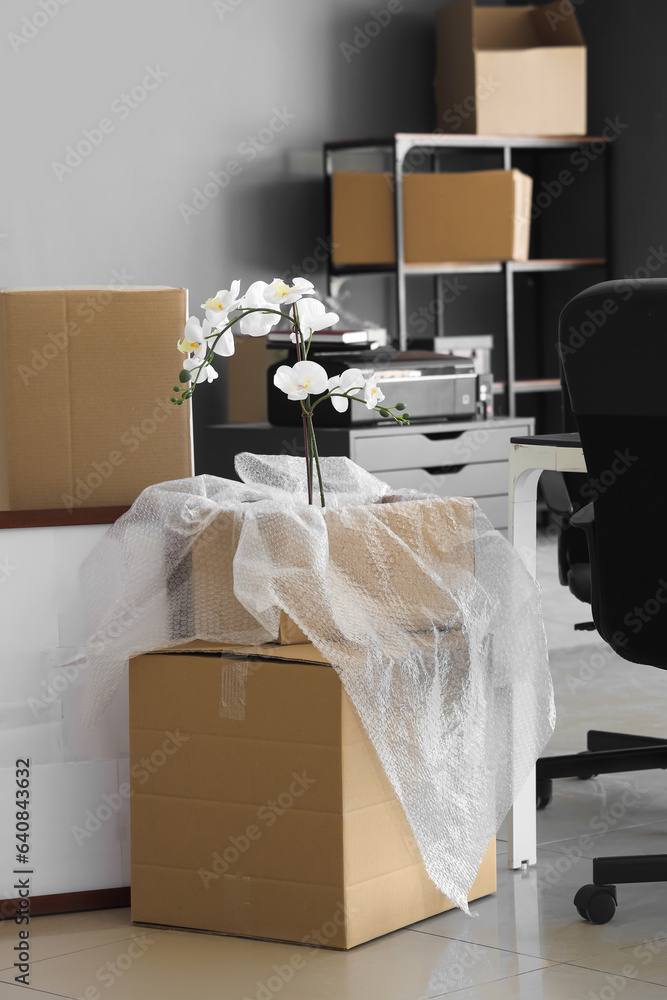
(227, 67)
(119, 214)
(627, 80)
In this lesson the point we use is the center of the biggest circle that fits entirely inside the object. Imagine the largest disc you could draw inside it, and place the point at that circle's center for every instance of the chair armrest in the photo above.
(584, 518)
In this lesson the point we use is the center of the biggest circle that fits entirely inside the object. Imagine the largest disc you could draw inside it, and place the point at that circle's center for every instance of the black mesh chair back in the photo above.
(613, 346)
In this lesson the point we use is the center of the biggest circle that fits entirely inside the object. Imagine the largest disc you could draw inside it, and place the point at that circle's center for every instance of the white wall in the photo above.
(228, 65)
(79, 836)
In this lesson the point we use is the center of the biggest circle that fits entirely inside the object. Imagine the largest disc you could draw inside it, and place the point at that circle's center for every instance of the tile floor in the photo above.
(526, 941)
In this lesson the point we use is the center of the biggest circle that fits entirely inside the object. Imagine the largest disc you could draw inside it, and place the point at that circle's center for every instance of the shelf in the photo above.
(473, 267)
(531, 385)
(564, 264)
(456, 267)
(433, 141)
(505, 149)
(342, 270)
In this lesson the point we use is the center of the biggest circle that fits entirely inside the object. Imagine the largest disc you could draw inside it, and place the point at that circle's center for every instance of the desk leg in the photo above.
(521, 822)
(522, 827)
(523, 517)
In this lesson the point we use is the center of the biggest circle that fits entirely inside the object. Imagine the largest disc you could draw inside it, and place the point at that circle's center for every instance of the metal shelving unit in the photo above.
(399, 146)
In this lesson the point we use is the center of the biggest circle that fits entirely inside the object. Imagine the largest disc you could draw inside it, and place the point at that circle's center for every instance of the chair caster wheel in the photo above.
(544, 789)
(585, 777)
(596, 903)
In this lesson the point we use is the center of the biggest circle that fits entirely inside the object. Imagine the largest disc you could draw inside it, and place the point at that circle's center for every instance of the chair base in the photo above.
(606, 753)
(598, 902)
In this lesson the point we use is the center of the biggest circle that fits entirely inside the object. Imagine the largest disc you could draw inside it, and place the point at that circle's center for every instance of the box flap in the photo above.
(506, 28)
(303, 653)
(455, 69)
(558, 22)
(88, 288)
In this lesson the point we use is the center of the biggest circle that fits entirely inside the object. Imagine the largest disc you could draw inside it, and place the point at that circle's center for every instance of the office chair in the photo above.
(563, 497)
(564, 494)
(614, 374)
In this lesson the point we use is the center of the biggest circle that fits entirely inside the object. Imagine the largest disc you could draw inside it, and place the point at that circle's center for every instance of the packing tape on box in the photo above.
(233, 687)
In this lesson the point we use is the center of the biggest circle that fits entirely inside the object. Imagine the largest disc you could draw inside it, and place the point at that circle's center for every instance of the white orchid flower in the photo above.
(372, 395)
(207, 373)
(279, 293)
(194, 337)
(219, 307)
(313, 317)
(304, 378)
(225, 346)
(256, 324)
(352, 381)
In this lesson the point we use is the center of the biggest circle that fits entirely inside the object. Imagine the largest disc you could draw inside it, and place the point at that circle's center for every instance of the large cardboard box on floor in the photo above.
(85, 412)
(472, 216)
(510, 70)
(259, 807)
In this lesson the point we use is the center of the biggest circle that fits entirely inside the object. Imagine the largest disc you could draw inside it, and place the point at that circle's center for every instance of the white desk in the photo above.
(557, 453)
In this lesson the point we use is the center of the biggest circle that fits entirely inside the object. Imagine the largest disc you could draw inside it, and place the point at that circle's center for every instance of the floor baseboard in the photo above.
(68, 902)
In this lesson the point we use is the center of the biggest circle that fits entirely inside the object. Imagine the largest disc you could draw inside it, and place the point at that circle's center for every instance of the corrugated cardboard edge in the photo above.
(523, 197)
(92, 288)
(302, 652)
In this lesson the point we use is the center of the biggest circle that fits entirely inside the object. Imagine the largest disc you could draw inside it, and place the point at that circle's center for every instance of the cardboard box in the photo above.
(265, 812)
(478, 215)
(246, 379)
(422, 525)
(85, 412)
(510, 70)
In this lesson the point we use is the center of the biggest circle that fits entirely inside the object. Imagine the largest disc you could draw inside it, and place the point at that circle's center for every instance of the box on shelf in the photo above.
(246, 379)
(472, 216)
(271, 817)
(85, 412)
(510, 70)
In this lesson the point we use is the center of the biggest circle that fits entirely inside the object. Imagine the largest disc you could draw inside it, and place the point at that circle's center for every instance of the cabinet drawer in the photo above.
(422, 451)
(481, 479)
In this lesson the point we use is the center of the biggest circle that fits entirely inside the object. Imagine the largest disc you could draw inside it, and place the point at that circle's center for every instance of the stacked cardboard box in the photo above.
(270, 816)
(473, 216)
(510, 70)
(85, 412)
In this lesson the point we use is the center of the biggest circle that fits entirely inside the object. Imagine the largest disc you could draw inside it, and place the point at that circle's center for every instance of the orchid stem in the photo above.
(304, 420)
(306, 444)
(313, 445)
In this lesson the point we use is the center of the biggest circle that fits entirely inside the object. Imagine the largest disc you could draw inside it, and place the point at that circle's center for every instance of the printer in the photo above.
(433, 387)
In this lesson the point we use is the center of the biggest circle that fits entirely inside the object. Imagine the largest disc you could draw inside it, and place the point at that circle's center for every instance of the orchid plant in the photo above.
(256, 313)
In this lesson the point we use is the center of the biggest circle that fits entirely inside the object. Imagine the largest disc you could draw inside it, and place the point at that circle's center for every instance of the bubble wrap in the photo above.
(425, 611)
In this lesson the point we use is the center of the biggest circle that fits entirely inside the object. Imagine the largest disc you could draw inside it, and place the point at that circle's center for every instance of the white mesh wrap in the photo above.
(425, 611)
